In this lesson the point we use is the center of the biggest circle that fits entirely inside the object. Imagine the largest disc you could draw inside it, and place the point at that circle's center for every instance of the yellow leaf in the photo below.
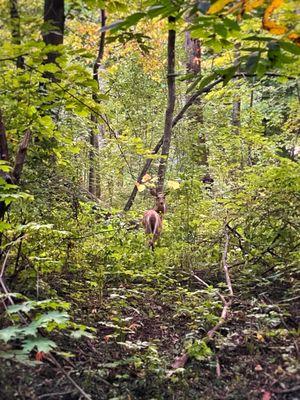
(260, 337)
(140, 187)
(146, 178)
(218, 6)
(252, 4)
(270, 25)
(173, 185)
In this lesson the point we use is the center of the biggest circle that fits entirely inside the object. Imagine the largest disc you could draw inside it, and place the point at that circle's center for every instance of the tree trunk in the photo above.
(15, 29)
(54, 34)
(93, 180)
(236, 107)
(193, 49)
(21, 156)
(3, 140)
(170, 108)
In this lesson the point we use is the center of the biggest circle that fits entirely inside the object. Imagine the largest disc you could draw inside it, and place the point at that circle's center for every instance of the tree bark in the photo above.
(193, 66)
(93, 180)
(170, 108)
(20, 157)
(54, 35)
(3, 140)
(15, 29)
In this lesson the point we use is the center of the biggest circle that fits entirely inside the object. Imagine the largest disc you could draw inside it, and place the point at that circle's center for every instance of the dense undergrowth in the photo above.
(87, 310)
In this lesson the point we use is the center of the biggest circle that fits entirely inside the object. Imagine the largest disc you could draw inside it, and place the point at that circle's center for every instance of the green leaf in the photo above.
(206, 80)
(53, 316)
(4, 226)
(194, 84)
(12, 332)
(80, 332)
(259, 38)
(214, 44)
(290, 47)
(40, 343)
(220, 30)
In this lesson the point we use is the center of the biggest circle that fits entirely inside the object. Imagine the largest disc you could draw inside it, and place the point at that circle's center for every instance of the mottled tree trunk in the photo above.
(193, 66)
(170, 108)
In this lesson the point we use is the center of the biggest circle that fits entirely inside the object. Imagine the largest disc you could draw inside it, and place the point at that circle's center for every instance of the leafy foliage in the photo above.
(77, 277)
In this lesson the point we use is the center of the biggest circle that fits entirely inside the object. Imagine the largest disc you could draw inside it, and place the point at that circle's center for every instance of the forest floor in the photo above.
(139, 334)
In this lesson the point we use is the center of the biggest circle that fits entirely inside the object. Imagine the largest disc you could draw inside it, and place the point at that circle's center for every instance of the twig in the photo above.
(222, 319)
(218, 367)
(55, 394)
(57, 364)
(290, 390)
(4, 264)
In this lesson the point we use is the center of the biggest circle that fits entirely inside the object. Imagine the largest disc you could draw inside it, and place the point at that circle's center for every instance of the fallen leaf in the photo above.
(134, 327)
(267, 396)
(258, 368)
(260, 337)
(107, 338)
(40, 356)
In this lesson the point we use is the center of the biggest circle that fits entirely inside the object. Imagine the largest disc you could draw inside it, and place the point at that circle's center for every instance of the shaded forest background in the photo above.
(101, 101)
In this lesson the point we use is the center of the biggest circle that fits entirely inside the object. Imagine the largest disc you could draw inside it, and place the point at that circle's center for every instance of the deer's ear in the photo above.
(153, 192)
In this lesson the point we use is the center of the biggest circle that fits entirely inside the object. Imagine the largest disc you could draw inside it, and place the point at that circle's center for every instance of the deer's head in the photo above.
(160, 201)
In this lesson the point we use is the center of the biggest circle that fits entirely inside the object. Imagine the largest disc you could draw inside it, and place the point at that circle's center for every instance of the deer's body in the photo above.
(152, 219)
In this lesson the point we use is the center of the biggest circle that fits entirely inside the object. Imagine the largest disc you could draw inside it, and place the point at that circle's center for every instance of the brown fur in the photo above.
(152, 219)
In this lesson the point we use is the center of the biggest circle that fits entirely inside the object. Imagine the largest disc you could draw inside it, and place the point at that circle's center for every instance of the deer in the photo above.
(152, 219)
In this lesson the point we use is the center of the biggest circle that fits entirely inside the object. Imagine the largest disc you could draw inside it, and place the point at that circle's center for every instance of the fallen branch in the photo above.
(57, 364)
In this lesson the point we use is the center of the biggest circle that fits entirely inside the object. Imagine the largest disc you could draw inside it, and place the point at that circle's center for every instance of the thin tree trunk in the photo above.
(3, 140)
(170, 108)
(55, 16)
(236, 107)
(93, 180)
(15, 29)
